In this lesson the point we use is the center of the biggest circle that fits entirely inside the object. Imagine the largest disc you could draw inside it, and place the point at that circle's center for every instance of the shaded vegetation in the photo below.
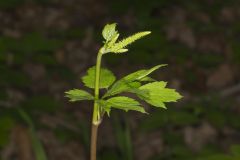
(41, 57)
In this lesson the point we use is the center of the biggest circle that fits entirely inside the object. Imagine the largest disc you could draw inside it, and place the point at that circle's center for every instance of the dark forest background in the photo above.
(47, 45)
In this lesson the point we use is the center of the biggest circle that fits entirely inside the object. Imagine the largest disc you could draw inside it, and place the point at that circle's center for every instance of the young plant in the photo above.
(146, 88)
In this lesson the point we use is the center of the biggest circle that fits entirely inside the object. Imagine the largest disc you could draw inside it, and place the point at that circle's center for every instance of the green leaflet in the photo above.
(106, 78)
(122, 86)
(109, 32)
(158, 94)
(125, 86)
(124, 103)
(125, 42)
(138, 75)
(128, 83)
(147, 79)
(78, 95)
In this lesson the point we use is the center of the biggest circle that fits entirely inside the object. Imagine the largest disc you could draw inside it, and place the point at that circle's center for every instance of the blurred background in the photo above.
(47, 45)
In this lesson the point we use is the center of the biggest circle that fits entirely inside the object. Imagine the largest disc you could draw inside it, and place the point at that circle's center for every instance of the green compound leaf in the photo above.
(109, 32)
(158, 94)
(106, 78)
(116, 48)
(130, 82)
(124, 103)
(78, 95)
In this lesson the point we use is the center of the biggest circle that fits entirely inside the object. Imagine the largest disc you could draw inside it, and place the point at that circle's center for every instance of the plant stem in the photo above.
(96, 119)
(93, 153)
(96, 115)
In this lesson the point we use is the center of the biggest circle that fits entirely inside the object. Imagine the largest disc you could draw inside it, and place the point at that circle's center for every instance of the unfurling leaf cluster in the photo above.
(110, 34)
(139, 83)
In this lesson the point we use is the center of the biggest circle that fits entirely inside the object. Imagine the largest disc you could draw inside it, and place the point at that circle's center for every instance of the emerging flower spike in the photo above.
(111, 35)
(127, 41)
